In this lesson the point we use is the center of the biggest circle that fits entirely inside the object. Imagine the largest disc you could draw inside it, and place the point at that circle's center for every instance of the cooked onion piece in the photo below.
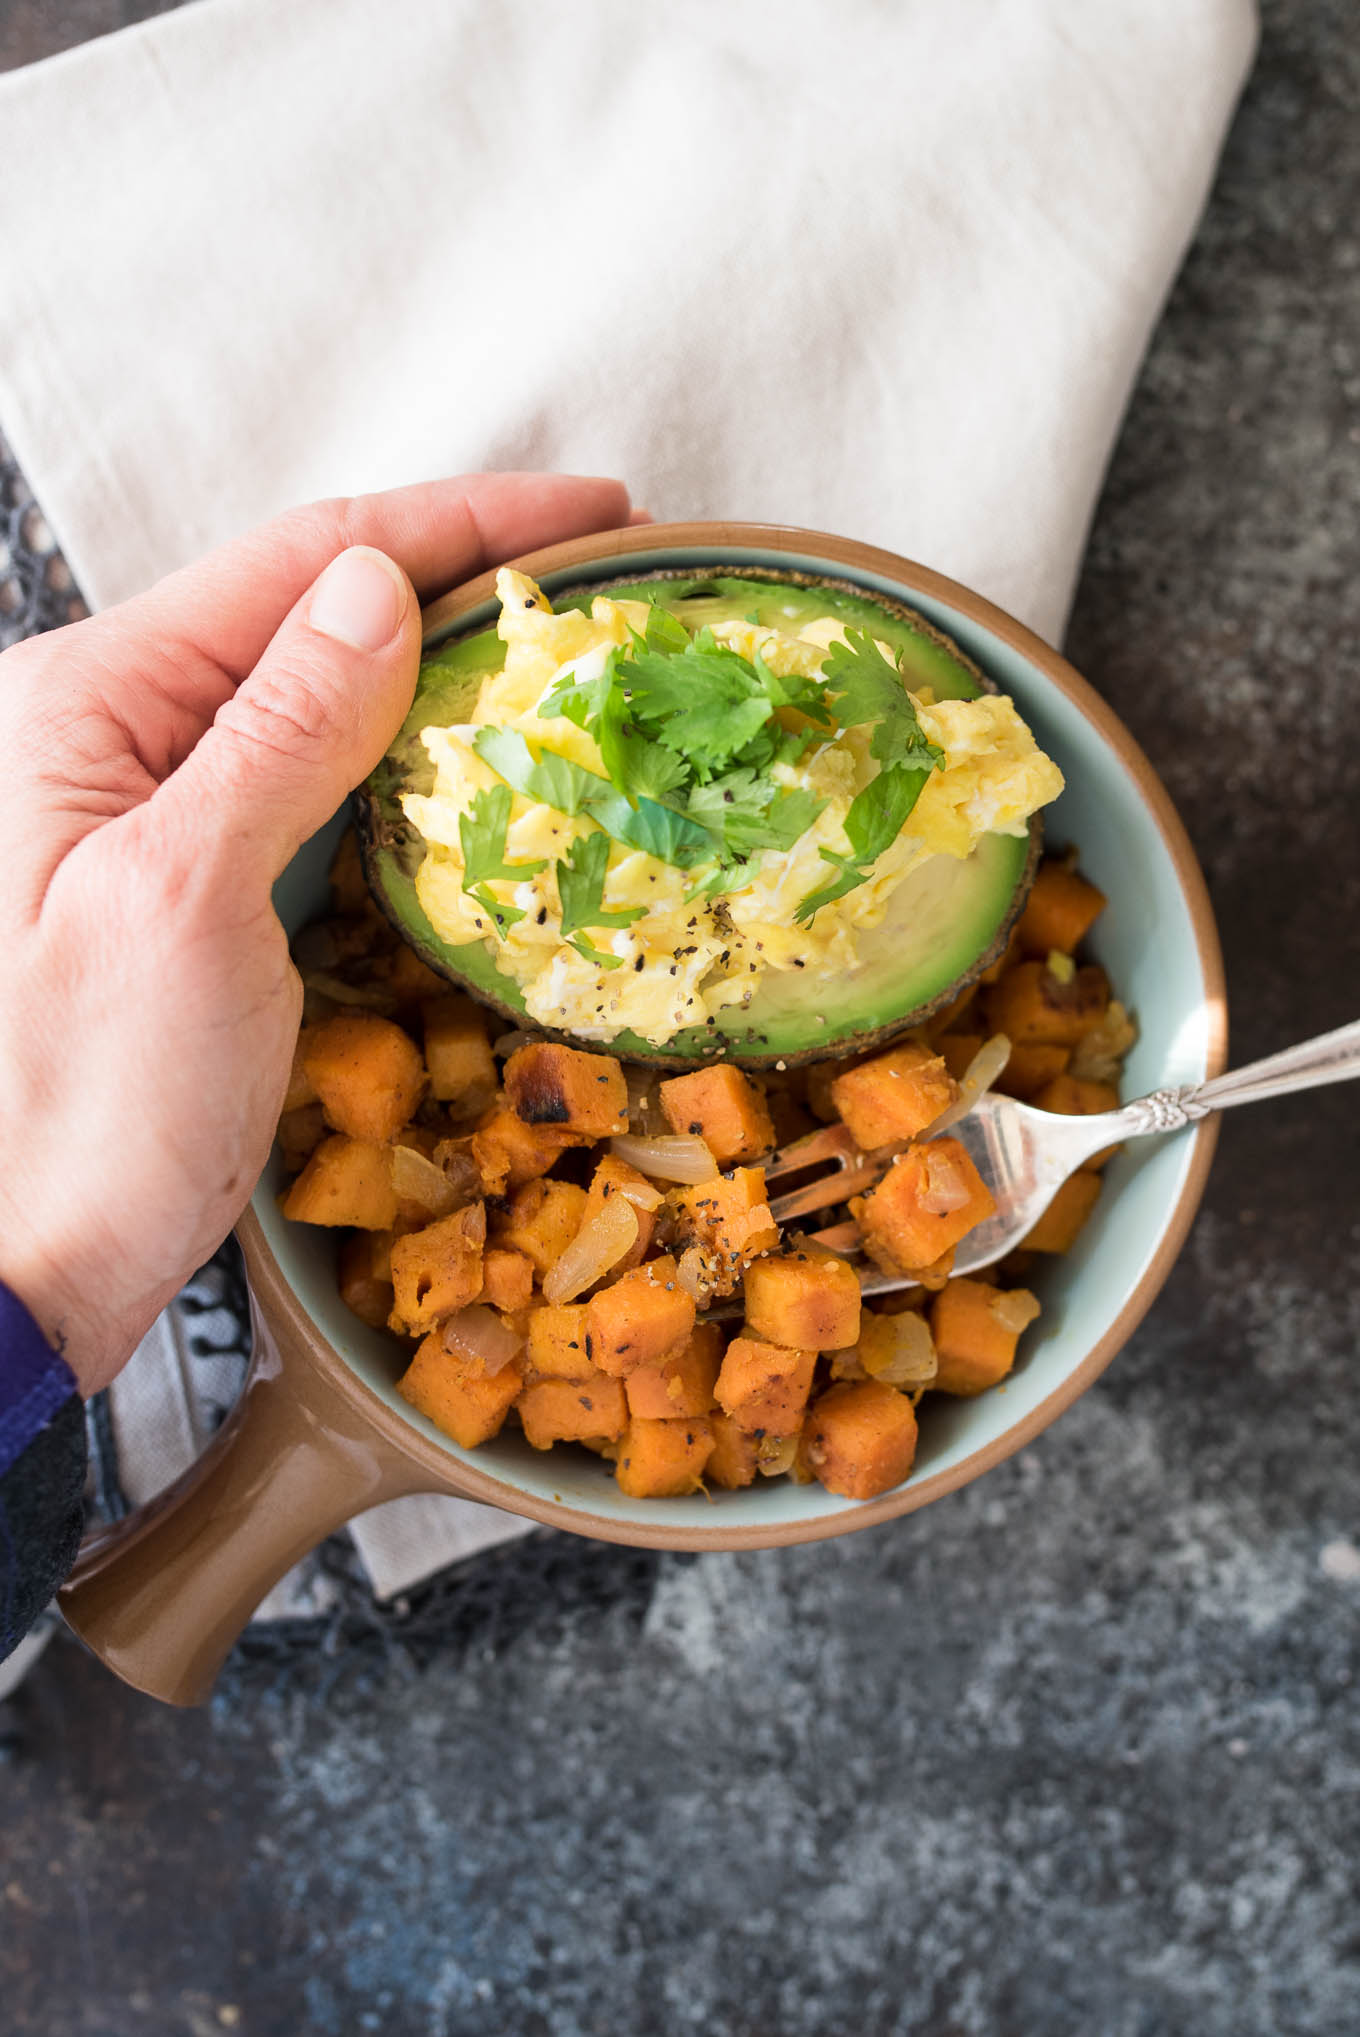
(680, 1159)
(597, 1247)
(479, 1334)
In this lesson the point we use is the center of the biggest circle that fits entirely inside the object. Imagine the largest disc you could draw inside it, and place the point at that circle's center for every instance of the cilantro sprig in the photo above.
(580, 887)
(481, 833)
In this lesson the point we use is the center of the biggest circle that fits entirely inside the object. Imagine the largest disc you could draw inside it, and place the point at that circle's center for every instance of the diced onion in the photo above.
(416, 1179)
(945, 1187)
(682, 1159)
(988, 1062)
(905, 1356)
(366, 996)
(645, 1115)
(776, 1455)
(596, 1247)
(1015, 1309)
(692, 1273)
(477, 1333)
(459, 1167)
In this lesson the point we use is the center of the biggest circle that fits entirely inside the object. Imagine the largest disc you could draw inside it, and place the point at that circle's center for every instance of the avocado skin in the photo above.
(390, 852)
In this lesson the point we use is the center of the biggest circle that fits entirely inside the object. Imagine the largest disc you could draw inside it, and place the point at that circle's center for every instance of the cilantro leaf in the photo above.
(657, 829)
(875, 819)
(547, 777)
(579, 700)
(580, 888)
(864, 687)
(481, 833)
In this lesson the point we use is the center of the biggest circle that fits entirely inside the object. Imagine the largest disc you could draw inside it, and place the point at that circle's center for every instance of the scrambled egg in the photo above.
(682, 963)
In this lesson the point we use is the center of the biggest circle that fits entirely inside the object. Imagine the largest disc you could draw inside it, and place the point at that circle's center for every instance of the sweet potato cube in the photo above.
(976, 1328)
(638, 1319)
(367, 1073)
(957, 1050)
(733, 1461)
(808, 1300)
(681, 1384)
(1070, 1096)
(570, 1410)
(723, 1107)
(860, 1438)
(542, 1220)
(610, 1176)
(300, 1133)
(764, 1387)
(300, 1090)
(1060, 911)
(461, 1399)
(346, 1181)
(1057, 1228)
(458, 1054)
(663, 1459)
(508, 1152)
(1032, 1005)
(365, 1280)
(728, 1216)
(929, 1198)
(408, 980)
(507, 1278)
(894, 1096)
(438, 1269)
(1030, 1068)
(557, 1342)
(546, 1084)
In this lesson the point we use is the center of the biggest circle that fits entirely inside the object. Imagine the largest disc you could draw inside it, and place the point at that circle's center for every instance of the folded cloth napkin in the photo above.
(883, 270)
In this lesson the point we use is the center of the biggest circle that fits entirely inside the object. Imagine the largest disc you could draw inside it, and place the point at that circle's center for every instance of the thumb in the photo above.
(309, 722)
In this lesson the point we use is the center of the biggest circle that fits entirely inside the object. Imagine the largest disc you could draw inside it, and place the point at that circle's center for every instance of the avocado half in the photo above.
(948, 922)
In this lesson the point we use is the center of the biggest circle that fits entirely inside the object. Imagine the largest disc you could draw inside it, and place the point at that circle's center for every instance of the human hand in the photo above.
(166, 759)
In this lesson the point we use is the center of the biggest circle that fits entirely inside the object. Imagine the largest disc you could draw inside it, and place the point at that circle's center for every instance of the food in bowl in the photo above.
(548, 1232)
(752, 818)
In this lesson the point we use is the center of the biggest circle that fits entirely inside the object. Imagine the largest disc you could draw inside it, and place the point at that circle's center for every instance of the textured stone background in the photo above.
(1073, 1753)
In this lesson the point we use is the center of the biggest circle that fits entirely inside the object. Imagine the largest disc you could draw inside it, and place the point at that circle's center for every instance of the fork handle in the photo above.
(1331, 1057)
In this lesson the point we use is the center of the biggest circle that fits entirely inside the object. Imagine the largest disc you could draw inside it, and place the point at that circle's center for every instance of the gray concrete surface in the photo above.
(1075, 1752)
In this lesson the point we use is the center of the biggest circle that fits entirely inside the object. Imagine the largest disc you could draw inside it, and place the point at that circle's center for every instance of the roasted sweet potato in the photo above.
(732, 1463)
(507, 1278)
(300, 1133)
(1029, 1068)
(557, 1342)
(547, 1084)
(1032, 1005)
(929, 1198)
(894, 1096)
(508, 1152)
(976, 1328)
(1071, 1097)
(764, 1387)
(366, 1276)
(681, 1384)
(346, 1181)
(723, 1107)
(571, 1410)
(1060, 911)
(1057, 1228)
(542, 1219)
(367, 1073)
(639, 1319)
(728, 1218)
(438, 1269)
(609, 1177)
(458, 1054)
(807, 1298)
(860, 1438)
(461, 1399)
(957, 1050)
(408, 981)
(300, 1090)
(663, 1459)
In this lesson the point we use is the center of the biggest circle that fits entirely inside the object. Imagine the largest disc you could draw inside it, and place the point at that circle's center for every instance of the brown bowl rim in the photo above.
(288, 1319)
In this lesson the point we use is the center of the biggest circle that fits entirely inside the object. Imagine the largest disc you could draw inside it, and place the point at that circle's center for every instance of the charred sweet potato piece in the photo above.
(541, 1221)
(346, 1181)
(557, 1342)
(930, 1197)
(723, 1107)
(860, 1438)
(609, 1178)
(570, 1410)
(732, 1463)
(1071, 1097)
(764, 1387)
(1060, 911)
(681, 1384)
(807, 1299)
(300, 1133)
(507, 1278)
(366, 1276)
(1057, 1228)
(728, 1217)
(464, 1401)
(1031, 1004)
(438, 1269)
(976, 1328)
(663, 1459)
(546, 1084)
(508, 1152)
(894, 1096)
(367, 1073)
(1030, 1068)
(639, 1319)
(458, 1054)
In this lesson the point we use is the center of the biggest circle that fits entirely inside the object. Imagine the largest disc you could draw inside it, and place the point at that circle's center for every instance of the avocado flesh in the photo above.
(944, 925)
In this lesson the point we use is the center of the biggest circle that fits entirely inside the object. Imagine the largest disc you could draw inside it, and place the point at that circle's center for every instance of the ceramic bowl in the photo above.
(322, 1432)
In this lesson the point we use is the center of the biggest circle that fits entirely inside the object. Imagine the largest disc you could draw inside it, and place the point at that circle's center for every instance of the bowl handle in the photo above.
(161, 1598)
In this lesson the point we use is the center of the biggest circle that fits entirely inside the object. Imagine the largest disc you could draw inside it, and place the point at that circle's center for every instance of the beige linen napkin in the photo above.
(883, 269)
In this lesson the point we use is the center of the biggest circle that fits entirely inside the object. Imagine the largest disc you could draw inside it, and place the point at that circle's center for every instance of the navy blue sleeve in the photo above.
(42, 1470)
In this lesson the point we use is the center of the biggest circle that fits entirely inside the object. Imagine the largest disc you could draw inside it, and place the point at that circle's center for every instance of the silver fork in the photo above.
(1024, 1155)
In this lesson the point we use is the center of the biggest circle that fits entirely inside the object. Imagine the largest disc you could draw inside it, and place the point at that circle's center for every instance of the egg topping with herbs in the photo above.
(641, 822)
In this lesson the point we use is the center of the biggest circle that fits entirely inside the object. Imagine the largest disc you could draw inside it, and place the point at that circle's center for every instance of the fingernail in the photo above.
(360, 600)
